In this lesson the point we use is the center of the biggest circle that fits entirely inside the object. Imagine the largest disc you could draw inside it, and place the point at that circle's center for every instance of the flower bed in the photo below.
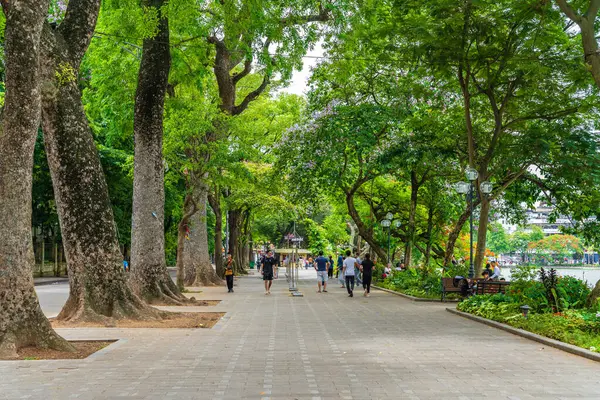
(557, 306)
(419, 282)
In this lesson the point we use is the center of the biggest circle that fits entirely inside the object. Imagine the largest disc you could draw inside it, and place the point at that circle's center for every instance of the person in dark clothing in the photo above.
(229, 273)
(330, 270)
(489, 271)
(340, 270)
(266, 269)
(367, 271)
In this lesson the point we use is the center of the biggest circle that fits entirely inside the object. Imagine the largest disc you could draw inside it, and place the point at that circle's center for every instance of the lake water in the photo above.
(591, 275)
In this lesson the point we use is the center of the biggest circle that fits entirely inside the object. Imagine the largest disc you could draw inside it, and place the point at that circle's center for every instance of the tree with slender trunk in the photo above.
(22, 322)
(191, 207)
(150, 279)
(586, 22)
(214, 199)
(98, 286)
(241, 38)
(196, 257)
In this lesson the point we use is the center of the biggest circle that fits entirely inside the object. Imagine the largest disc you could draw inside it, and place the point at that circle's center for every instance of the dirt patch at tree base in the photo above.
(196, 303)
(83, 350)
(170, 320)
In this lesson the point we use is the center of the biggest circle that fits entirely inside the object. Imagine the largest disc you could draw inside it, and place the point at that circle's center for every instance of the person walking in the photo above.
(349, 268)
(340, 271)
(367, 273)
(321, 266)
(266, 269)
(357, 273)
(330, 270)
(229, 273)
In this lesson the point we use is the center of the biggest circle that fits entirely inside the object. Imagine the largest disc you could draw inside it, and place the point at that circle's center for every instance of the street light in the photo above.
(468, 189)
(386, 223)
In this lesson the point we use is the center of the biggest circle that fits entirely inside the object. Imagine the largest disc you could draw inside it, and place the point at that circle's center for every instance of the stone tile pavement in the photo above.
(320, 346)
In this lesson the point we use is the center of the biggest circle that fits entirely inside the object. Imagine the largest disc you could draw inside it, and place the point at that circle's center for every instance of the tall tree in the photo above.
(149, 278)
(364, 141)
(243, 35)
(22, 322)
(98, 285)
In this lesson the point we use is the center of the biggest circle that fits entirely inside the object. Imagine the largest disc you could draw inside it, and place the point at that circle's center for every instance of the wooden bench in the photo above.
(448, 287)
(491, 287)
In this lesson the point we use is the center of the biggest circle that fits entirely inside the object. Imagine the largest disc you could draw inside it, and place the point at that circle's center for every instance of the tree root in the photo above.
(36, 333)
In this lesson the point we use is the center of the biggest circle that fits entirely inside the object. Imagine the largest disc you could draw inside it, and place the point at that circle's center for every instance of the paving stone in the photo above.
(320, 346)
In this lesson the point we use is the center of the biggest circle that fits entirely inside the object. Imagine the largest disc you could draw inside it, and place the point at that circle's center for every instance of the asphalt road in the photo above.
(53, 297)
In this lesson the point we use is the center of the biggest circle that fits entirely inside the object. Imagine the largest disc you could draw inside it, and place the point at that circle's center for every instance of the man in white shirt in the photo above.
(349, 268)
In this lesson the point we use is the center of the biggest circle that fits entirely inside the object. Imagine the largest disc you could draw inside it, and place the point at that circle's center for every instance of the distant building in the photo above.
(540, 217)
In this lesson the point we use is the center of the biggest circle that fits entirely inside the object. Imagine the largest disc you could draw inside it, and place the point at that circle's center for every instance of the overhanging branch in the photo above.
(250, 97)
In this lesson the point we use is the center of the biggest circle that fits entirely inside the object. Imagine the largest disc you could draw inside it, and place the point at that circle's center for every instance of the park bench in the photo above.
(448, 287)
(491, 287)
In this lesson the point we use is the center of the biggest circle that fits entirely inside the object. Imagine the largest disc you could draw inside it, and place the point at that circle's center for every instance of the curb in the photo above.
(51, 282)
(413, 298)
(569, 348)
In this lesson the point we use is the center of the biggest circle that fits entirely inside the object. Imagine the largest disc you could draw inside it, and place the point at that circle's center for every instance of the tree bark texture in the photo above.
(22, 322)
(214, 199)
(98, 285)
(190, 205)
(481, 235)
(235, 221)
(362, 229)
(453, 236)
(150, 279)
(196, 257)
(586, 24)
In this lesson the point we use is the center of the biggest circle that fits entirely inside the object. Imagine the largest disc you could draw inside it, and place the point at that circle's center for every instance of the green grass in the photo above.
(577, 327)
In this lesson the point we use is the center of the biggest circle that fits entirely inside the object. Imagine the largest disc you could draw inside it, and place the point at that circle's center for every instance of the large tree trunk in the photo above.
(592, 300)
(481, 235)
(22, 322)
(98, 285)
(196, 257)
(362, 229)
(235, 221)
(191, 205)
(214, 200)
(149, 277)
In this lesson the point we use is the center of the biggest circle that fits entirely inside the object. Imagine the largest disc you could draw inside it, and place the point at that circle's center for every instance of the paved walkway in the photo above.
(321, 346)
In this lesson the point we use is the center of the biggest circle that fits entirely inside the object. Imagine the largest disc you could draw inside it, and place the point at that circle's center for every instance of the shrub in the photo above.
(572, 292)
(421, 282)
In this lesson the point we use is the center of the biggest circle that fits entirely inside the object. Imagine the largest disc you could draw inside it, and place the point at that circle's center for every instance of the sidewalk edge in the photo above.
(413, 298)
(569, 348)
(50, 282)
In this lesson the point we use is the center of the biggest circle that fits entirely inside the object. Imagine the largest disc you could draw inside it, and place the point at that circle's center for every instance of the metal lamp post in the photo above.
(397, 224)
(386, 223)
(468, 188)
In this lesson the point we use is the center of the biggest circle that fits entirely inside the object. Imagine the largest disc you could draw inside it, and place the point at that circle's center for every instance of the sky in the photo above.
(300, 78)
